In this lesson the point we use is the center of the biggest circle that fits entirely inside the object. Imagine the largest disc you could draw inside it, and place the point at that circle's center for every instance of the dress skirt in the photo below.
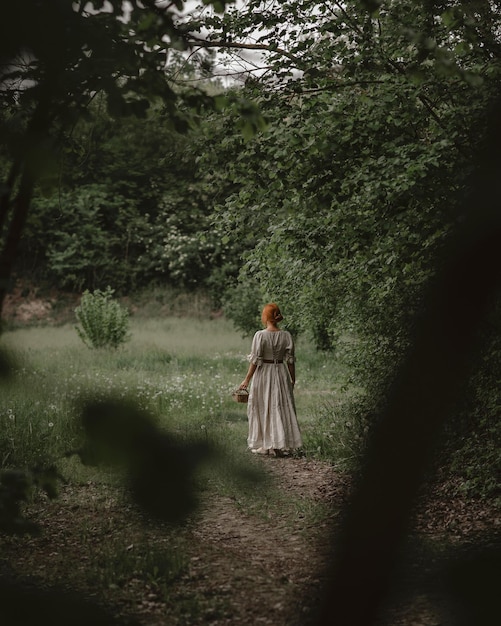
(271, 409)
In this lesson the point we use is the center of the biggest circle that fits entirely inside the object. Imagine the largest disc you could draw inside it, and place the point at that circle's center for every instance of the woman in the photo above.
(273, 426)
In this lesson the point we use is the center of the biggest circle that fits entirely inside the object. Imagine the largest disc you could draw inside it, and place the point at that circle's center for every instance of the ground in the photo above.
(238, 566)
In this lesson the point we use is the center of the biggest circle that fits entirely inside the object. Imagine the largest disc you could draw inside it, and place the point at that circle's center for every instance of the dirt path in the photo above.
(240, 567)
(271, 565)
(243, 567)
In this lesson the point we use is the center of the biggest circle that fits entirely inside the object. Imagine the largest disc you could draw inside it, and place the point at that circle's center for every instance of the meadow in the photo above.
(180, 370)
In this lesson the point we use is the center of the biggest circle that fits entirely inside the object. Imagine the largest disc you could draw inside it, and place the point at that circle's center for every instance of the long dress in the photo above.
(271, 408)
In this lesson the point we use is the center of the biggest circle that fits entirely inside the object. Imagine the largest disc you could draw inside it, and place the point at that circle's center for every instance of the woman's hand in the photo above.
(250, 373)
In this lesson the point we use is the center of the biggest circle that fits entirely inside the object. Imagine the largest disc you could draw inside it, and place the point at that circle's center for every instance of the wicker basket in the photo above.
(240, 395)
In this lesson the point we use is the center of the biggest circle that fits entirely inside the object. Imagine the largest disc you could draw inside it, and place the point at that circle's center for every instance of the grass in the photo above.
(181, 371)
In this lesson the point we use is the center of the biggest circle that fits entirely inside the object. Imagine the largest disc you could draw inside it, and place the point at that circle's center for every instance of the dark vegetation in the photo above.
(354, 180)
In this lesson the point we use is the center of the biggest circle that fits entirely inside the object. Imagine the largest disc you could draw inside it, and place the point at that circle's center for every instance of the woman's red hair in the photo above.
(271, 313)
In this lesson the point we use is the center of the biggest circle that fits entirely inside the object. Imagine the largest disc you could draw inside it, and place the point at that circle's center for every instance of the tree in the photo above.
(344, 207)
(120, 182)
(54, 61)
(371, 135)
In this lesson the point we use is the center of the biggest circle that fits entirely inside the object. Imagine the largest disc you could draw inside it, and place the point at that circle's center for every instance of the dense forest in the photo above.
(316, 154)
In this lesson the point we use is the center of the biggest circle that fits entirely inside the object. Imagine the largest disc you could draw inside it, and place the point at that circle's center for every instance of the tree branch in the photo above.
(204, 43)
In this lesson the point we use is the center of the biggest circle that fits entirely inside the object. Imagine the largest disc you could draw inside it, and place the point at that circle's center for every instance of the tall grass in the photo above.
(182, 370)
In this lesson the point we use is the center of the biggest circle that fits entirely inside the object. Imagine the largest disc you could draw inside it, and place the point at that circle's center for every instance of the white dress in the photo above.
(271, 408)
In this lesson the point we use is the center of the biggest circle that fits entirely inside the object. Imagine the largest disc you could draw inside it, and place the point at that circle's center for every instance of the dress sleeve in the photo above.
(289, 355)
(256, 355)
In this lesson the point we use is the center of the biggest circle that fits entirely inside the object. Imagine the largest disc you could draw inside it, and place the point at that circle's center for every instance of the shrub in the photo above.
(242, 304)
(104, 322)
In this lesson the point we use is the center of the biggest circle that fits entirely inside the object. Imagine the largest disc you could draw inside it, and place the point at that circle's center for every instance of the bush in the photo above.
(104, 322)
(242, 304)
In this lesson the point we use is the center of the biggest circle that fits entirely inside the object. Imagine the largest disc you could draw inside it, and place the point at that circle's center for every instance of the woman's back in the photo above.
(273, 345)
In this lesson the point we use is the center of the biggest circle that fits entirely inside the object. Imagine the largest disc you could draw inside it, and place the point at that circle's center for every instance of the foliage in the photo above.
(313, 46)
(127, 218)
(56, 62)
(104, 322)
(359, 173)
(344, 206)
(336, 436)
(180, 245)
(81, 250)
(243, 303)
